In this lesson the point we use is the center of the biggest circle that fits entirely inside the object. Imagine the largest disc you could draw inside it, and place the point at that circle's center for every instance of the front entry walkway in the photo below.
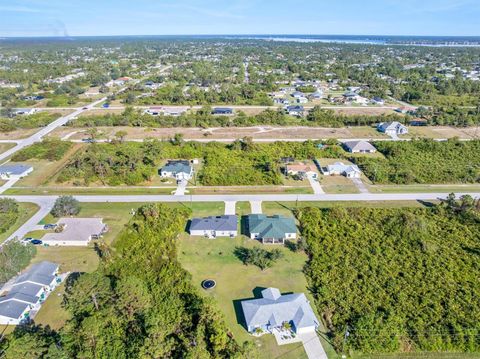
(312, 345)
(230, 207)
(256, 207)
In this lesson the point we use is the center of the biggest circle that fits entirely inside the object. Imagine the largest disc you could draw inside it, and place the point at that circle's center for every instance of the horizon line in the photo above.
(230, 34)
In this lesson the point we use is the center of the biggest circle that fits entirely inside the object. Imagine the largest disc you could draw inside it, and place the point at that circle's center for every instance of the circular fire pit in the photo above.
(208, 284)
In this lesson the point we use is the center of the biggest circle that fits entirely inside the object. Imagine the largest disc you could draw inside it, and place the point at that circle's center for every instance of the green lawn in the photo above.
(6, 146)
(51, 313)
(27, 210)
(214, 259)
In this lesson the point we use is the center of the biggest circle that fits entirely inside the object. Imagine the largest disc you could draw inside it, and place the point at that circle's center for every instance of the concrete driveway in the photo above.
(181, 188)
(230, 207)
(317, 188)
(312, 345)
(360, 185)
(256, 207)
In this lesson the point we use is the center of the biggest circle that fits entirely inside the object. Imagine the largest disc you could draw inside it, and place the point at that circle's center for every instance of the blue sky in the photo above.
(170, 17)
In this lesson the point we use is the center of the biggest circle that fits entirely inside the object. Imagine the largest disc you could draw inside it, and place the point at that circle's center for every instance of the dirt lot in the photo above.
(227, 133)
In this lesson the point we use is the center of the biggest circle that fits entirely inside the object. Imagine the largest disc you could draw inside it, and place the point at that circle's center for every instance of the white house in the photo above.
(302, 169)
(178, 169)
(24, 111)
(392, 128)
(213, 227)
(28, 292)
(76, 232)
(341, 169)
(359, 147)
(275, 311)
(295, 111)
(14, 171)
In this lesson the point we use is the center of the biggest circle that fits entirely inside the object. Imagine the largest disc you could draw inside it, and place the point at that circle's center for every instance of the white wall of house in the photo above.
(178, 176)
(66, 243)
(214, 233)
(8, 176)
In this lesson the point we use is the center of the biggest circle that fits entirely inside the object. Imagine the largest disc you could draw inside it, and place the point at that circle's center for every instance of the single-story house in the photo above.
(298, 94)
(76, 232)
(178, 169)
(271, 229)
(24, 111)
(377, 101)
(295, 110)
(222, 111)
(11, 171)
(166, 111)
(341, 169)
(28, 291)
(359, 147)
(302, 100)
(302, 169)
(212, 227)
(274, 310)
(392, 128)
(317, 95)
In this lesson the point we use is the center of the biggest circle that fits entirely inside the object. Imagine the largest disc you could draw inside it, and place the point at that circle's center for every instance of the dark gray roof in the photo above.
(275, 309)
(13, 309)
(14, 169)
(218, 223)
(19, 297)
(41, 273)
(26, 288)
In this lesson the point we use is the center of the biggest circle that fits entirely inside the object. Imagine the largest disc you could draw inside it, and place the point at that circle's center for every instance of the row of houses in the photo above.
(266, 229)
(29, 290)
(178, 111)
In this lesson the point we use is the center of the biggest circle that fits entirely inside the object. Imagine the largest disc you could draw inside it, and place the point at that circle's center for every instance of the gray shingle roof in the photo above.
(19, 297)
(13, 309)
(26, 288)
(219, 223)
(41, 273)
(274, 310)
(359, 146)
(14, 169)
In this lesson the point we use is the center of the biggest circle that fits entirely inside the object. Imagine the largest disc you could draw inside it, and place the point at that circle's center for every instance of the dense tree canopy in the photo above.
(140, 303)
(396, 279)
(424, 161)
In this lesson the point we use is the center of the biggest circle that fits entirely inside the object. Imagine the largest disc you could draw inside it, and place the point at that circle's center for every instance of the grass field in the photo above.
(424, 188)
(6, 146)
(51, 313)
(27, 210)
(236, 281)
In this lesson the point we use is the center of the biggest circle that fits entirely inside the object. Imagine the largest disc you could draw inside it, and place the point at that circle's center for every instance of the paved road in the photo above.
(37, 137)
(46, 202)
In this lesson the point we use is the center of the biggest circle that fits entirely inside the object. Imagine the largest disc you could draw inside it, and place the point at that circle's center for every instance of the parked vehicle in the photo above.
(50, 226)
(36, 242)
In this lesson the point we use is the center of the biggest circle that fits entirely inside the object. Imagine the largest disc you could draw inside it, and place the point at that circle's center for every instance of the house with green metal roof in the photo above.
(271, 229)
